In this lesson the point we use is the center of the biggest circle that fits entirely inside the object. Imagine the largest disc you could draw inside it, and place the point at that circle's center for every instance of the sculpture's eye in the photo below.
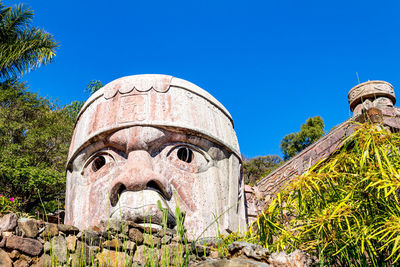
(188, 158)
(98, 162)
(185, 154)
(97, 166)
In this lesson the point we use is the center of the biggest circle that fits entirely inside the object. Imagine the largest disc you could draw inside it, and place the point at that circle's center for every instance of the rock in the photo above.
(114, 244)
(50, 230)
(27, 245)
(129, 246)
(199, 249)
(136, 236)
(46, 247)
(83, 254)
(71, 243)
(250, 250)
(146, 229)
(28, 227)
(113, 258)
(3, 241)
(14, 254)
(8, 222)
(44, 261)
(296, 258)
(5, 260)
(172, 255)
(167, 231)
(59, 249)
(151, 241)
(115, 226)
(91, 238)
(145, 255)
(166, 239)
(230, 263)
(68, 229)
(21, 263)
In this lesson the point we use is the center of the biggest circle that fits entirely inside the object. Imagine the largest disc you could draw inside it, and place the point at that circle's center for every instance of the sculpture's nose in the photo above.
(137, 174)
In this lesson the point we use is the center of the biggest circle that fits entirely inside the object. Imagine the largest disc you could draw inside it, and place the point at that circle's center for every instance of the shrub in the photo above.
(345, 210)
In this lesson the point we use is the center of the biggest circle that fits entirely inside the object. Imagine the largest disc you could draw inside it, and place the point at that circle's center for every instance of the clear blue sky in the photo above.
(272, 64)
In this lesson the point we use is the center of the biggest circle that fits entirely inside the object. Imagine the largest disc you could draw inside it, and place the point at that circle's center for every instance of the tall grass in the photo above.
(345, 210)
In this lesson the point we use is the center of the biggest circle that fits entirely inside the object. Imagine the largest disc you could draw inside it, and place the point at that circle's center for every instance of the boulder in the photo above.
(8, 222)
(29, 227)
(26, 245)
(5, 260)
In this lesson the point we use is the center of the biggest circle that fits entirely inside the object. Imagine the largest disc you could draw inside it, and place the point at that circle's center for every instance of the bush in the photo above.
(345, 210)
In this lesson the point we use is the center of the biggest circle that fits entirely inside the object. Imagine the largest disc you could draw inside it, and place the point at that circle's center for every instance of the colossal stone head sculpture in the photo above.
(148, 138)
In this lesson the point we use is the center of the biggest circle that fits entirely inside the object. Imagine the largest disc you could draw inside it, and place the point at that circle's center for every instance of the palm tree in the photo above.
(22, 47)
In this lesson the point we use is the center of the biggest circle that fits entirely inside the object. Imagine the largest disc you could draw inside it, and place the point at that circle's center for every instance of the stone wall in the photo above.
(31, 242)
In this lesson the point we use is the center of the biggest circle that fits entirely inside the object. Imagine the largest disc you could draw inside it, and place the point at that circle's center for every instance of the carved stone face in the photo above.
(153, 138)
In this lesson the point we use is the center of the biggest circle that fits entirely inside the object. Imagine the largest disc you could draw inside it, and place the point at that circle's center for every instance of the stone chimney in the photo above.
(377, 94)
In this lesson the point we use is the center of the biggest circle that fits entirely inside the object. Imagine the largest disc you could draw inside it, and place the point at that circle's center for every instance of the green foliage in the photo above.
(310, 132)
(34, 142)
(345, 210)
(258, 167)
(93, 86)
(22, 47)
(72, 110)
(8, 205)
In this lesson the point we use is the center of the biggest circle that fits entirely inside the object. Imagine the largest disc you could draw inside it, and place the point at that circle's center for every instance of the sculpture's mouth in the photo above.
(141, 207)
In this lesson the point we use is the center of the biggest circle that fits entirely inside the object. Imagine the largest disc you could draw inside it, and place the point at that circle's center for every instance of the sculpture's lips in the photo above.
(141, 207)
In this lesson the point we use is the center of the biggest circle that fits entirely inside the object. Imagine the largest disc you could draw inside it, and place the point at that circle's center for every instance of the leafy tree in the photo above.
(73, 109)
(93, 86)
(34, 142)
(258, 167)
(22, 47)
(310, 132)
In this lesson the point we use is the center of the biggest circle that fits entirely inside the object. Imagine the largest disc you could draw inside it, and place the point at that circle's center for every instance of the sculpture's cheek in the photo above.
(98, 201)
(184, 185)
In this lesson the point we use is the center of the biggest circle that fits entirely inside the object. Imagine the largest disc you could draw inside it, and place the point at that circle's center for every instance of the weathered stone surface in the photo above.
(14, 254)
(166, 239)
(115, 226)
(232, 263)
(67, 229)
(44, 261)
(172, 255)
(21, 263)
(71, 243)
(296, 258)
(28, 227)
(46, 247)
(114, 258)
(5, 260)
(129, 246)
(8, 222)
(193, 131)
(59, 249)
(27, 245)
(151, 241)
(379, 91)
(145, 254)
(91, 238)
(3, 241)
(83, 254)
(50, 230)
(136, 236)
(113, 244)
(250, 250)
